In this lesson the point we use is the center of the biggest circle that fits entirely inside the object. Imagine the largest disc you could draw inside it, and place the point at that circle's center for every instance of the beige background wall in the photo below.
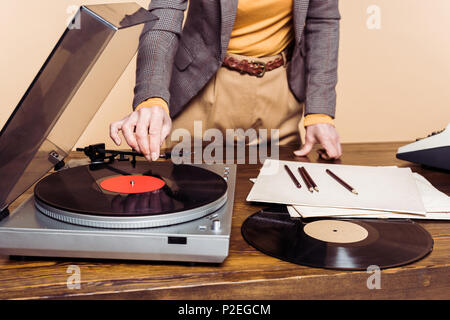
(394, 82)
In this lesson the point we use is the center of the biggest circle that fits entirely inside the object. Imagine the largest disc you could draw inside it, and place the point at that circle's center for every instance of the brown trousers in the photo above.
(231, 100)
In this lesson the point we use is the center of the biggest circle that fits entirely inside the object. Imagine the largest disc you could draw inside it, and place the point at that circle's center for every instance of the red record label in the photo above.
(132, 184)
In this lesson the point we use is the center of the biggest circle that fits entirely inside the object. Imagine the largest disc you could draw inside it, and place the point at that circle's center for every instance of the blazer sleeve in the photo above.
(156, 52)
(322, 44)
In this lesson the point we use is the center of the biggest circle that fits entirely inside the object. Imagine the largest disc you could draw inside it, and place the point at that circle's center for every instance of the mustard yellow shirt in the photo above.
(262, 28)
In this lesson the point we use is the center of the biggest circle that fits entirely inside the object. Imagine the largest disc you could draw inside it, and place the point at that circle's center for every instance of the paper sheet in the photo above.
(388, 189)
(315, 212)
(437, 205)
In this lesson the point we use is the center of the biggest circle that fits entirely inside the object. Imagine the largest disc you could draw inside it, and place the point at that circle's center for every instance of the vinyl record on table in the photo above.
(165, 192)
(350, 244)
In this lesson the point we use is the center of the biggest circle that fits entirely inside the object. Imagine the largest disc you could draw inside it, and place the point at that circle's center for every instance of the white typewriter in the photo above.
(433, 151)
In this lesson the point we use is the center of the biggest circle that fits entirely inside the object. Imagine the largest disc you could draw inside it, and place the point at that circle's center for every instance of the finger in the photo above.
(330, 148)
(128, 133)
(156, 123)
(142, 128)
(307, 147)
(338, 143)
(166, 128)
(323, 154)
(114, 129)
(339, 147)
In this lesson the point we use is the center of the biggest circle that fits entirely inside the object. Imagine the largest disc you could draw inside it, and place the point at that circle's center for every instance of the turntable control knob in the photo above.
(215, 225)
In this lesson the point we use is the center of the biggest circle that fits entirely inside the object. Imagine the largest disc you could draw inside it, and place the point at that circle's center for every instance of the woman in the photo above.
(236, 64)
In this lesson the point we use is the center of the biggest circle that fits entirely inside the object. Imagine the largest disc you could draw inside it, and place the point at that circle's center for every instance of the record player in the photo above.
(109, 206)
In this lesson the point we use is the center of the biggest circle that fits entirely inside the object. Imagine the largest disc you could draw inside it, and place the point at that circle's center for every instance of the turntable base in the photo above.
(28, 232)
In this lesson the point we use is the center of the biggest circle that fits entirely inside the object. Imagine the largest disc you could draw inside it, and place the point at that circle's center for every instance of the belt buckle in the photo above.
(262, 65)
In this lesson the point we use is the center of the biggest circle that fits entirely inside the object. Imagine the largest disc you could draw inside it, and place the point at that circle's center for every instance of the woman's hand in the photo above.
(144, 130)
(324, 134)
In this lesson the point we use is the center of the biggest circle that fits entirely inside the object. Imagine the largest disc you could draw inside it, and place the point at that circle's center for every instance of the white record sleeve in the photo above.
(379, 188)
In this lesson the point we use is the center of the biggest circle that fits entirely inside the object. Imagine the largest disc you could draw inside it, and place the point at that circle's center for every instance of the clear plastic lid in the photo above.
(76, 78)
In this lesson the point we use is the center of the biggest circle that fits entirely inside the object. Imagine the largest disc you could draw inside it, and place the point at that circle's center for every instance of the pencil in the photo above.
(294, 180)
(314, 185)
(305, 179)
(342, 182)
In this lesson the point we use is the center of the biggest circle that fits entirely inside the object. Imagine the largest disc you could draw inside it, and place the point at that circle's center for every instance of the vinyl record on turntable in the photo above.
(120, 195)
(350, 244)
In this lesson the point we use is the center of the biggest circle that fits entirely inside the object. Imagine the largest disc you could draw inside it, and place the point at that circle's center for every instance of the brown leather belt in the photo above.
(257, 68)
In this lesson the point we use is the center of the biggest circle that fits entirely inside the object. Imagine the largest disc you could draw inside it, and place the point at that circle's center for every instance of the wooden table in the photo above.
(246, 273)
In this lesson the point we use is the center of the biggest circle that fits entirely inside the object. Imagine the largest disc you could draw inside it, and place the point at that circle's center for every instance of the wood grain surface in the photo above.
(246, 273)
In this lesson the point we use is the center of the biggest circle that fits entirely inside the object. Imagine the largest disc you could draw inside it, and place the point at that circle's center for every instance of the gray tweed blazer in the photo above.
(175, 62)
